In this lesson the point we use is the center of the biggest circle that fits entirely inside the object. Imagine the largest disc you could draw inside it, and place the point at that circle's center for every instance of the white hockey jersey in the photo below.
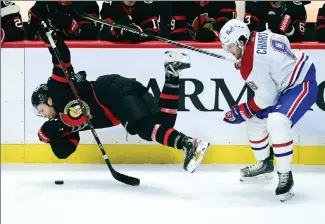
(269, 67)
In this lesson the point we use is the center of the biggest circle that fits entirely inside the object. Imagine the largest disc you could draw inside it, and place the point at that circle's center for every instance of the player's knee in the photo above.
(279, 126)
(256, 128)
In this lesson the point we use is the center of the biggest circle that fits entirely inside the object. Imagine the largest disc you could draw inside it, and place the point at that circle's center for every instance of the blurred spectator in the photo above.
(200, 20)
(140, 15)
(61, 15)
(11, 24)
(287, 18)
(320, 25)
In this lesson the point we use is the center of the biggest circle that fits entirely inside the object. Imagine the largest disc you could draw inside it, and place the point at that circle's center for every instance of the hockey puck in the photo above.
(59, 182)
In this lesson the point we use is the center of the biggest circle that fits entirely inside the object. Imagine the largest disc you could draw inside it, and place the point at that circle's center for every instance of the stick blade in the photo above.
(126, 179)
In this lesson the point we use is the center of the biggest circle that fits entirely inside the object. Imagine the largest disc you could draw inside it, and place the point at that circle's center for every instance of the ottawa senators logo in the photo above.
(73, 116)
(204, 20)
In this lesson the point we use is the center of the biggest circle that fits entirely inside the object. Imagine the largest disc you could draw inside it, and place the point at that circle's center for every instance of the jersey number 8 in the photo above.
(282, 48)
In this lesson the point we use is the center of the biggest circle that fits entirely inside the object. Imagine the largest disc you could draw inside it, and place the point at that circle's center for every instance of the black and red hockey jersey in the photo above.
(289, 19)
(320, 25)
(65, 104)
(143, 15)
(11, 22)
(194, 19)
(83, 28)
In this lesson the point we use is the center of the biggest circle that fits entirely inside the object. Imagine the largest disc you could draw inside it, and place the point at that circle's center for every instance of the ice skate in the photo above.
(262, 170)
(176, 62)
(194, 152)
(284, 190)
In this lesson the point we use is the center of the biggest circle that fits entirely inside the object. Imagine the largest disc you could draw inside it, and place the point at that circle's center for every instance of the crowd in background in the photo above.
(176, 20)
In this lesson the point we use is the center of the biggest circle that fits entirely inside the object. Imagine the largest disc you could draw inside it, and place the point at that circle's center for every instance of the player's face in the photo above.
(235, 51)
(46, 111)
(129, 3)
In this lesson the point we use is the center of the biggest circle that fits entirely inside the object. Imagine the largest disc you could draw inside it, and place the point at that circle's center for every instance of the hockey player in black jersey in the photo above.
(11, 24)
(140, 15)
(320, 25)
(112, 100)
(283, 17)
(61, 15)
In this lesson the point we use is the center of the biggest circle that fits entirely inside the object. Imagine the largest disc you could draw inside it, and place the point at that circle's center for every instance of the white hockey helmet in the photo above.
(232, 32)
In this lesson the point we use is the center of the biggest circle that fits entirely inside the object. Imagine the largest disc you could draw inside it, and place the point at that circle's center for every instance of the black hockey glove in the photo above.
(129, 36)
(50, 130)
(65, 23)
(42, 33)
(279, 23)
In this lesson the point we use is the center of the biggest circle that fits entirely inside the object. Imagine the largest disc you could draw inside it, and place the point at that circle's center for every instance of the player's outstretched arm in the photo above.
(64, 54)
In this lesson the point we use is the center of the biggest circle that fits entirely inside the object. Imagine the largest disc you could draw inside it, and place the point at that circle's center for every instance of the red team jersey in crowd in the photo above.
(256, 17)
(11, 22)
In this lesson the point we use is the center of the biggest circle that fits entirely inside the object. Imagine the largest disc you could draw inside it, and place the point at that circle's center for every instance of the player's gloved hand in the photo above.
(66, 23)
(279, 23)
(43, 30)
(129, 36)
(2, 35)
(50, 130)
(238, 114)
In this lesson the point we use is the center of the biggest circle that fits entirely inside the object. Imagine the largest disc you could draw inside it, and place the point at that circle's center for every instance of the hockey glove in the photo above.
(280, 24)
(129, 36)
(66, 24)
(50, 130)
(42, 34)
(238, 114)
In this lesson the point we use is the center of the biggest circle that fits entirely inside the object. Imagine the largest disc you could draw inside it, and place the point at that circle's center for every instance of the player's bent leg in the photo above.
(169, 96)
(279, 128)
(259, 141)
(136, 118)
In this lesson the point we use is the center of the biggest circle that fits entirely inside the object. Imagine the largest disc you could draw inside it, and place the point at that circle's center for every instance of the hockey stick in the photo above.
(118, 176)
(146, 35)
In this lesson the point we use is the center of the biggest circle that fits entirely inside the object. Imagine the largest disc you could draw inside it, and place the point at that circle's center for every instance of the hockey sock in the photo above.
(260, 147)
(168, 102)
(279, 127)
(167, 136)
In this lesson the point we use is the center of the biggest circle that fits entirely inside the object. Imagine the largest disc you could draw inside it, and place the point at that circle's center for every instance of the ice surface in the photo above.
(167, 194)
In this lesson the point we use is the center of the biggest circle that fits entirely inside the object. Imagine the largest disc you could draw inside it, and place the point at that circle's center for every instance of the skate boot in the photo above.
(175, 62)
(194, 152)
(284, 190)
(262, 170)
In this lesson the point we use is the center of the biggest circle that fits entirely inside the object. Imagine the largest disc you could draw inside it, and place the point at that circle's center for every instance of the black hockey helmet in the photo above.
(40, 95)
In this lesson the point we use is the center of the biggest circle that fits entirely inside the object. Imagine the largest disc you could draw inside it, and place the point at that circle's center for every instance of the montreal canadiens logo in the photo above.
(72, 115)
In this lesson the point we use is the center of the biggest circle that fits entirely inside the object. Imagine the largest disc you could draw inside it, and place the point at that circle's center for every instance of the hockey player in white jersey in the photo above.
(285, 88)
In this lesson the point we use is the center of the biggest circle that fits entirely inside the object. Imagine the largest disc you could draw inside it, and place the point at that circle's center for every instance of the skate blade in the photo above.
(260, 178)
(286, 196)
(194, 163)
